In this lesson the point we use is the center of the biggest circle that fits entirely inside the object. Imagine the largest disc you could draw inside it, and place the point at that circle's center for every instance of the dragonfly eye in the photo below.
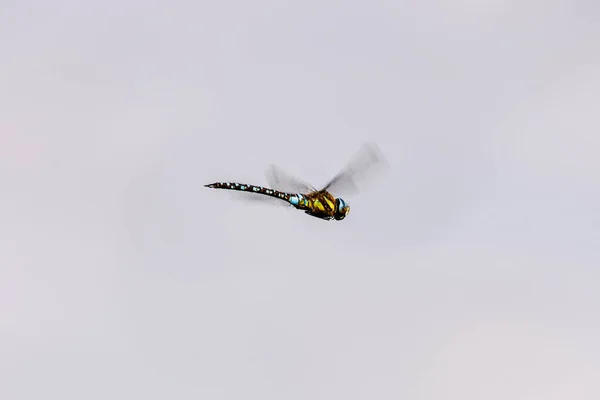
(341, 209)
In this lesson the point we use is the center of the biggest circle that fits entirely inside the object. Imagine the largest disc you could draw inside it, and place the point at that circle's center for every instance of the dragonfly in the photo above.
(320, 203)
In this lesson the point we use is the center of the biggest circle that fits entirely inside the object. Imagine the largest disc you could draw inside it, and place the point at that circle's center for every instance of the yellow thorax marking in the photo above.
(330, 203)
(318, 205)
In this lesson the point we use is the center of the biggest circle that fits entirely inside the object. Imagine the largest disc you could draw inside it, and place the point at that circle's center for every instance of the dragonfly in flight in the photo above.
(320, 203)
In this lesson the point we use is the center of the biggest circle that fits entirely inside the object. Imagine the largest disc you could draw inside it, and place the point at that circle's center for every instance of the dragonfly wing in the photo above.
(256, 198)
(362, 168)
(280, 180)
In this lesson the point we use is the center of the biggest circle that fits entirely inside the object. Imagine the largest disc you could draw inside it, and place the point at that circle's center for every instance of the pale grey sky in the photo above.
(469, 271)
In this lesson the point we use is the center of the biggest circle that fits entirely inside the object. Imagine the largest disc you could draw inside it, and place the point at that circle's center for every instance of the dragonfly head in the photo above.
(341, 209)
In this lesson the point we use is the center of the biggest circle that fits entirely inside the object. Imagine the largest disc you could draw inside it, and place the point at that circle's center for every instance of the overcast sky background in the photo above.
(469, 271)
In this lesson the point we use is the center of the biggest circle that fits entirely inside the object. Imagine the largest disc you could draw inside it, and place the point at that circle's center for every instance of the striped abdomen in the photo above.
(252, 188)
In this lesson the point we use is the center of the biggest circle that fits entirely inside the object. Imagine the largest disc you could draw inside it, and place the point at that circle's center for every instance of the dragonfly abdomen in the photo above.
(251, 188)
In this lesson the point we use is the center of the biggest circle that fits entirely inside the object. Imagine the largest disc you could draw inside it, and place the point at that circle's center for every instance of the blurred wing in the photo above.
(255, 198)
(280, 180)
(368, 162)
